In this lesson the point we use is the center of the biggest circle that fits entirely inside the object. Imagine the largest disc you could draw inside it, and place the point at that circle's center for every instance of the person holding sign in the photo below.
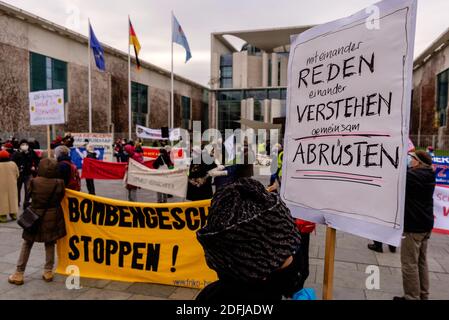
(251, 241)
(418, 225)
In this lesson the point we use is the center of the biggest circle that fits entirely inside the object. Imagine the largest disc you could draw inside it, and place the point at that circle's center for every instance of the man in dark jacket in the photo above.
(418, 225)
(27, 162)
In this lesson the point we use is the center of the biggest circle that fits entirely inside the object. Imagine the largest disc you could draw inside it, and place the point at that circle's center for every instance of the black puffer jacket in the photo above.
(419, 200)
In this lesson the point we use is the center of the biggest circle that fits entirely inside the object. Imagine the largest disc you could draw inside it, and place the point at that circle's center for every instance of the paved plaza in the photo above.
(352, 259)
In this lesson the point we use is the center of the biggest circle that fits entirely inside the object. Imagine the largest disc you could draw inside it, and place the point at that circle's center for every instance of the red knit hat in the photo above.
(8, 145)
(4, 154)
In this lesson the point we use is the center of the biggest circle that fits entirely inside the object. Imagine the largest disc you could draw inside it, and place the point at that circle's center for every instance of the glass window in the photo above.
(256, 94)
(258, 111)
(229, 95)
(186, 111)
(283, 94)
(47, 74)
(270, 72)
(443, 86)
(139, 103)
(226, 71)
(274, 94)
(229, 112)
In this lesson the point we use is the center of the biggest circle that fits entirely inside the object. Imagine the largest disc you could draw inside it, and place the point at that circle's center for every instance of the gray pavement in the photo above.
(352, 259)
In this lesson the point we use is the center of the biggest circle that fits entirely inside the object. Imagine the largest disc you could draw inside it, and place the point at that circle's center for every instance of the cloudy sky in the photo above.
(199, 18)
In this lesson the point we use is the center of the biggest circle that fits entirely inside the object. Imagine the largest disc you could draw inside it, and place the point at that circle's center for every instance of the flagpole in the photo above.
(172, 102)
(129, 81)
(90, 79)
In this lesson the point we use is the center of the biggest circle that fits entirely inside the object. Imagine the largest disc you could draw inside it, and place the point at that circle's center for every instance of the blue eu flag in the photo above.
(97, 49)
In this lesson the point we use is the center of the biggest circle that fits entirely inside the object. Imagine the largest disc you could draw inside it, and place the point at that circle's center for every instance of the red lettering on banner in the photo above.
(445, 211)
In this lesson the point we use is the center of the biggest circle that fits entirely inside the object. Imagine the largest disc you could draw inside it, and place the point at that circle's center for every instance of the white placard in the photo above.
(98, 140)
(47, 107)
(441, 208)
(165, 181)
(346, 139)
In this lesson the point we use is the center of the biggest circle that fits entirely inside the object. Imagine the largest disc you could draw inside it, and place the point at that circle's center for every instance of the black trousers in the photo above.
(303, 257)
(23, 181)
(90, 186)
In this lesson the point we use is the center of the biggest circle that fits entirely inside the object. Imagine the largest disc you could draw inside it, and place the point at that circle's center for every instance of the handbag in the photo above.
(29, 220)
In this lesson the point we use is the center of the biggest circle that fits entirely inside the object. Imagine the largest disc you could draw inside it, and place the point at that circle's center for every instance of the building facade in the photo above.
(36, 54)
(429, 114)
(250, 83)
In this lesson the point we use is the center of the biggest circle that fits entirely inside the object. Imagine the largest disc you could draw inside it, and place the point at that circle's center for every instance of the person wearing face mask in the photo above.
(252, 242)
(27, 162)
(418, 225)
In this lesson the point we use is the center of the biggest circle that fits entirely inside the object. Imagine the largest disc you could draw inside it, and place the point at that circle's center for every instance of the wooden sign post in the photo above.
(329, 261)
(48, 143)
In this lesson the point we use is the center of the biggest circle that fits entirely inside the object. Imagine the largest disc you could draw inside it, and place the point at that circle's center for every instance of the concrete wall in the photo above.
(240, 70)
(255, 71)
(425, 97)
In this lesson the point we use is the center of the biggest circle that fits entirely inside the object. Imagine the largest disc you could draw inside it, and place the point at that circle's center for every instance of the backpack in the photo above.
(304, 226)
(75, 180)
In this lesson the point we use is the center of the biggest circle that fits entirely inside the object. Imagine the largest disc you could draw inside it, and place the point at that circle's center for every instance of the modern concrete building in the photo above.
(36, 54)
(250, 83)
(429, 121)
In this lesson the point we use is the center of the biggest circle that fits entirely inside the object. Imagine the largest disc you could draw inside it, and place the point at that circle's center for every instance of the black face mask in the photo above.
(287, 281)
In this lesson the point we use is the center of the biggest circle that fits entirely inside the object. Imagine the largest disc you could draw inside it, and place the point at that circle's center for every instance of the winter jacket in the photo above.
(46, 192)
(419, 200)
(197, 172)
(65, 170)
(8, 188)
(25, 161)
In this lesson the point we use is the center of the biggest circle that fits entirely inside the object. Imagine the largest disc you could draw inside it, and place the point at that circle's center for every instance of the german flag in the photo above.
(133, 41)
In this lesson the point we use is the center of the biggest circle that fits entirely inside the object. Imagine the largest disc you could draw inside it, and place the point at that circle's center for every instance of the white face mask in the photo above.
(24, 147)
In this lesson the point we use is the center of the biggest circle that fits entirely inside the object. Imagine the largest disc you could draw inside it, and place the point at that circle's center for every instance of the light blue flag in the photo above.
(180, 38)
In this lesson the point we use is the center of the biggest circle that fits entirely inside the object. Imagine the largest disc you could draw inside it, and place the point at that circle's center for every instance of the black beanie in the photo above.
(249, 233)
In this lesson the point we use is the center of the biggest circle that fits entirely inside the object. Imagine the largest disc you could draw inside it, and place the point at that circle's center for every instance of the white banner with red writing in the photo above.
(441, 209)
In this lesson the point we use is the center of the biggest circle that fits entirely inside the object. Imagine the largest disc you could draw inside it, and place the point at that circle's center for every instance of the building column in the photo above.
(266, 111)
(274, 70)
(264, 69)
(243, 105)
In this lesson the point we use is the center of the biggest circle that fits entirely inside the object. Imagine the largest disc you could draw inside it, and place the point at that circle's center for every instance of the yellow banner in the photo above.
(134, 242)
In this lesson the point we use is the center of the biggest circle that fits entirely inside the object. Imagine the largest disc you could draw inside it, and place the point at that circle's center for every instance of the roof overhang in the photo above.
(441, 42)
(264, 39)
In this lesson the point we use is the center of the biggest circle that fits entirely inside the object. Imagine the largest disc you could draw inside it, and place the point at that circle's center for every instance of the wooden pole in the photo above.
(328, 280)
(48, 142)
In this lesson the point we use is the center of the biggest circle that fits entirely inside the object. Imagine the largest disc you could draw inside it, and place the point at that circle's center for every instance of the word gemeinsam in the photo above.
(97, 213)
(102, 251)
(348, 68)
(357, 154)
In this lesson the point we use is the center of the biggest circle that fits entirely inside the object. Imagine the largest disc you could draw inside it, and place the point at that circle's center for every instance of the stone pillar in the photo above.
(264, 69)
(274, 70)
(266, 111)
(243, 105)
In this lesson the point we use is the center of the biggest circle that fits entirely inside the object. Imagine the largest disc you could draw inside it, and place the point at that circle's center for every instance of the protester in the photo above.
(27, 162)
(56, 143)
(47, 191)
(67, 170)
(245, 169)
(430, 151)
(9, 148)
(276, 163)
(119, 151)
(418, 225)
(163, 161)
(132, 154)
(9, 174)
(91, 154)
(251, 241)
(200, 180)
(68, 140)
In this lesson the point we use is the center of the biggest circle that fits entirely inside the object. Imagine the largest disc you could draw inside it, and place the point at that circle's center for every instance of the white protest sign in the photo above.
(98, 140)
(441, 208)
(165, 181)
(346, 139)
(47, 107)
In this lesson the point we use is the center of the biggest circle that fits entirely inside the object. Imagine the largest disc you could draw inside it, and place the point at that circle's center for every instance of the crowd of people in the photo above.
(251, 240)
